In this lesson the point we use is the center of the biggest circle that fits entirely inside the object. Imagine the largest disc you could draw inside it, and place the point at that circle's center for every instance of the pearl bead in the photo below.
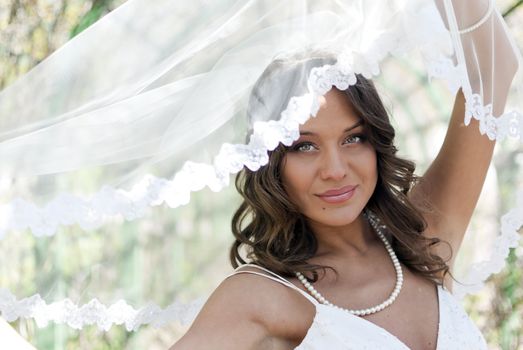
(374, 222)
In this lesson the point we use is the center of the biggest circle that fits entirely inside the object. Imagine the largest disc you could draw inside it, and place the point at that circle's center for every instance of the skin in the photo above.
(332, 152)
(252, 312)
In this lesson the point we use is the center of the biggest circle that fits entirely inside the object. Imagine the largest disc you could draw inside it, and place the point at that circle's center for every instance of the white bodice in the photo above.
(334, 328)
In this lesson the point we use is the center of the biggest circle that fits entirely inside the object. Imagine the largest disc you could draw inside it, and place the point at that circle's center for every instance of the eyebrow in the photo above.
(359, 123)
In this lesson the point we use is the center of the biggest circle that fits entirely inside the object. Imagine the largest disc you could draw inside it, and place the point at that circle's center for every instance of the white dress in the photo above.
(333, 328)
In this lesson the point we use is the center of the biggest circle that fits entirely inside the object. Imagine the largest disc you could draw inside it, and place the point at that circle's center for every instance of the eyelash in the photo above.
(296, 148)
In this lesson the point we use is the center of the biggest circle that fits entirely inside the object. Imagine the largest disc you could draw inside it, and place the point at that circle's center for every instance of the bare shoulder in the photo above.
(248, 311)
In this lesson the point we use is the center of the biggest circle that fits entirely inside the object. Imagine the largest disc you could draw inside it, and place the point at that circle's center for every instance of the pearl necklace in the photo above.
(374, 222)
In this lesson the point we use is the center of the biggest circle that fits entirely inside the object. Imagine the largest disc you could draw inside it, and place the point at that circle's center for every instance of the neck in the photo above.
(353, 239)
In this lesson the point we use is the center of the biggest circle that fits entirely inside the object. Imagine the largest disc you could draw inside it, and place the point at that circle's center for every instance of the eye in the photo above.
(356, 138)
(303, 147)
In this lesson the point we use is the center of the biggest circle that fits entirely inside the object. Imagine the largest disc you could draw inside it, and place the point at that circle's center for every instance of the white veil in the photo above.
(148, 109)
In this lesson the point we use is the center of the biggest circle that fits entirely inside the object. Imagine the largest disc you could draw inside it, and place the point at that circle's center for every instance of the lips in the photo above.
(338, 195)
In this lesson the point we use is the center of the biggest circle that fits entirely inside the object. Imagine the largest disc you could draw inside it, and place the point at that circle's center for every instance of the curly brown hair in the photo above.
(269, 226)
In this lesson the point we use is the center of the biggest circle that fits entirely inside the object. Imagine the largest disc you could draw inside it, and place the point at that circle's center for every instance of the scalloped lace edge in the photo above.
(95, 313)
(479, 272)
(509, 124)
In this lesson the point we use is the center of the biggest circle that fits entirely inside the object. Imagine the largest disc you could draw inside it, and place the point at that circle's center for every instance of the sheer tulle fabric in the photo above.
(151, 105)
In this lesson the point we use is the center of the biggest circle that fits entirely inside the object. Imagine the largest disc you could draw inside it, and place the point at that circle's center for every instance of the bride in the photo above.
(337, 243)
(345, 247)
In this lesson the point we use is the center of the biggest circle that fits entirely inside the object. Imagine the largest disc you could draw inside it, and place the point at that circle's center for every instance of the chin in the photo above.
(337, 219)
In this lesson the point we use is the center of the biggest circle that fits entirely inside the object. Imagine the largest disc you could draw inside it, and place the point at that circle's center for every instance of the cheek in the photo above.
(364, 166)
(371, 161)
(369, 169)
(296, 179)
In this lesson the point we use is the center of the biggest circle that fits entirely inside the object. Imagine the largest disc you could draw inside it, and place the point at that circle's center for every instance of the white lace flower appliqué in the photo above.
(95, 313)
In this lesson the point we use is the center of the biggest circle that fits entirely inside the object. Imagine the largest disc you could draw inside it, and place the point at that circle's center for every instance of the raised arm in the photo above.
(453, 182)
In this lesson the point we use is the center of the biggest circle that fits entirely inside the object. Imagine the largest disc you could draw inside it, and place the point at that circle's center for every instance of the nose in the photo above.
(334, 166)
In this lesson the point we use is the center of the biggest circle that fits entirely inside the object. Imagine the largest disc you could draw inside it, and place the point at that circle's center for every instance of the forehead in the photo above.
(335, 114)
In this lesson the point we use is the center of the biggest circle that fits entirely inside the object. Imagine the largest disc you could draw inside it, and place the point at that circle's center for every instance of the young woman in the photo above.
(347, 248)
(338, 245)
(344, 247)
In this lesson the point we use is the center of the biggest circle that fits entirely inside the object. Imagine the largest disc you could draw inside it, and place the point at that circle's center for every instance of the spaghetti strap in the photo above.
(275, 277)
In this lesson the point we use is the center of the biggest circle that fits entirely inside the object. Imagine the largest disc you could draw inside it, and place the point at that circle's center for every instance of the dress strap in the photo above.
(275, 277)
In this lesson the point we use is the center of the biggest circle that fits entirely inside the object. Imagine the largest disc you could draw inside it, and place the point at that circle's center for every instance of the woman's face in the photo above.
(330, 172)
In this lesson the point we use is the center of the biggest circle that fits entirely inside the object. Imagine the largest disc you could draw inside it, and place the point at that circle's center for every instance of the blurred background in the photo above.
(187, 248)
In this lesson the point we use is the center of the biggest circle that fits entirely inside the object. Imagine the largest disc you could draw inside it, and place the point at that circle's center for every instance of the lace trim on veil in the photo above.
(509, 124)
(509, 237)
(95, 313)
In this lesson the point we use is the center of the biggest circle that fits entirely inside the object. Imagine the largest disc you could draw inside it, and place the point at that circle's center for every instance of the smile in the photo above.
(338, 195)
